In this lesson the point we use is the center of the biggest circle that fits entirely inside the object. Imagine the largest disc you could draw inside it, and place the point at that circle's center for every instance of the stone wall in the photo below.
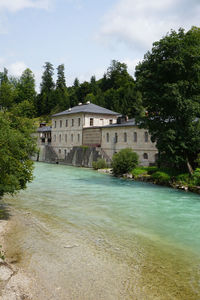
(82, 156)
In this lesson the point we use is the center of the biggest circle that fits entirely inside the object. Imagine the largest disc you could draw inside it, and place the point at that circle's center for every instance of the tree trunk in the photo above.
(189, 167)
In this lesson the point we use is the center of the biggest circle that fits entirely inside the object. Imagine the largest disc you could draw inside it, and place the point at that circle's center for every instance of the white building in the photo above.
(95, 126)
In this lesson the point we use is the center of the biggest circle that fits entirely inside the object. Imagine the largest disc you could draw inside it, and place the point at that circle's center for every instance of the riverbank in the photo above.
(150, 175)
(15, 284)
(100, 237)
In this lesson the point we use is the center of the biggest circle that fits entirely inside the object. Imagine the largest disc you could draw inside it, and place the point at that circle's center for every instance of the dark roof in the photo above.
(130, 122)
(44, 128)
(87, 108)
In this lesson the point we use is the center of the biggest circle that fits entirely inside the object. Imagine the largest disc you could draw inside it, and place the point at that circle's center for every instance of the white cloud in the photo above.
(17, 68)
(138, 23)
(131, 64)
(17, 5)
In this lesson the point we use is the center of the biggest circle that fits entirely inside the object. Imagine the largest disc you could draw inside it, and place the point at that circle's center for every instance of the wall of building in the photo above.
(64, 135)
(64, 138)
(129, 137)
(92, 136)
(99, 119)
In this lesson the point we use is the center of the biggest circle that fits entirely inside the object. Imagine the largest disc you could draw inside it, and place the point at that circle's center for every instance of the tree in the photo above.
(124, 161)
(16, 147)
(117, 75)
(47, 84)
(26, 87)
(61, 93)
(169, 80)
(46, 99)
(7, 95)
(61, 83)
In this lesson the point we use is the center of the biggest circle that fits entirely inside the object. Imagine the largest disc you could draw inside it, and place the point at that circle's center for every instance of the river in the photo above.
(85, 235)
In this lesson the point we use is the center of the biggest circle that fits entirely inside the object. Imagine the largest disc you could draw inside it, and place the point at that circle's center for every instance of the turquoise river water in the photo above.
(86, 235)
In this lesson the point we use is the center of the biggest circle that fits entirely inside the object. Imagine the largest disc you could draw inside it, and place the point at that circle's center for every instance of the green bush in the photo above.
(138, 171)
(196, 177)
(124, 161)
(151, 170)
(183, 178)
(99, 164)
(161, 177)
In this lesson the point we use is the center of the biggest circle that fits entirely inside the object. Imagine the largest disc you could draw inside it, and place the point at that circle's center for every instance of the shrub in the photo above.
(196, 177)
(161, 177)
(99, 164)
(138, 171)
(151, 170)
(124, 161)
(183, 178)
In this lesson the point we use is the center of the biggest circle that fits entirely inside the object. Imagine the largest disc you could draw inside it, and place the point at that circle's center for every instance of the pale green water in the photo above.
(92, 236)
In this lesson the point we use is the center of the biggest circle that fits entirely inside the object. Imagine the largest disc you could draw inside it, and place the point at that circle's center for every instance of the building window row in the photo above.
(135, 137)
(67, 123)
(66, 137)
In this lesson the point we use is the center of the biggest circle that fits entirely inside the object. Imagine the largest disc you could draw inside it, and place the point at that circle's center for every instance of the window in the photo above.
(59, 151)
(66, 138)
(55, 124)
(116, 138)
(135, 137)
(60, 123)
(54, 137)
(72, 122)
(125, 137)
(60, 137)
(72, 137)
(65, 151)
(146, 136)
(145, 156)
(78, 137)
(110, 122)
(107, 137)
(91, 121)
(79, 121)
(66, 123)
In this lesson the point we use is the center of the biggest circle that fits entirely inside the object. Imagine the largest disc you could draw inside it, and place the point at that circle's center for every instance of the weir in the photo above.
(78, 156)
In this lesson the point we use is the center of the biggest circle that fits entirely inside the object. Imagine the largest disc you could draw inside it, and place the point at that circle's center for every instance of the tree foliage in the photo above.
(16, 147)
(124, 161)
(169, 80)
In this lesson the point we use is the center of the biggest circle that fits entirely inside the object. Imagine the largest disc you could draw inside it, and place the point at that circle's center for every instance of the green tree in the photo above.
(124, 161)
(8, 94)
(117, 75)
(60, 96)
(46, 99)
(61, 83)
(26, 90)
(169, 80)
(4, 76)
(16, 147)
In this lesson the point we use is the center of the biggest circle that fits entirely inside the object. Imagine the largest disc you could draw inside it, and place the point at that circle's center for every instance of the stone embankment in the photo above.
(14, 283)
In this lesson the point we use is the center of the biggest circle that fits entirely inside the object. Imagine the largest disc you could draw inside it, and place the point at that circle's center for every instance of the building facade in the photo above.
(94, 126)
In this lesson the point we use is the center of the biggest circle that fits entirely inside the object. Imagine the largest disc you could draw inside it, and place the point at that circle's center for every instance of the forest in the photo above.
(115, 91)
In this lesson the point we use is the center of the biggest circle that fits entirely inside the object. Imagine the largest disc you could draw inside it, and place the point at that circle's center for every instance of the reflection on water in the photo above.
(85, 235)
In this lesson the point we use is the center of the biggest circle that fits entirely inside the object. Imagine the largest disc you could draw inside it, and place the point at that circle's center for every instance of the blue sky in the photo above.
(86, 35)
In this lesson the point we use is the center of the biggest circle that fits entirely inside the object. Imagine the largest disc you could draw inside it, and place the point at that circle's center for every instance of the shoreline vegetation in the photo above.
(125, 164)
(158, 176)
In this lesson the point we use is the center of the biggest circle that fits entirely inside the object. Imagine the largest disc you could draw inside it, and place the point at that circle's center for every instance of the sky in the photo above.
(86, 35)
